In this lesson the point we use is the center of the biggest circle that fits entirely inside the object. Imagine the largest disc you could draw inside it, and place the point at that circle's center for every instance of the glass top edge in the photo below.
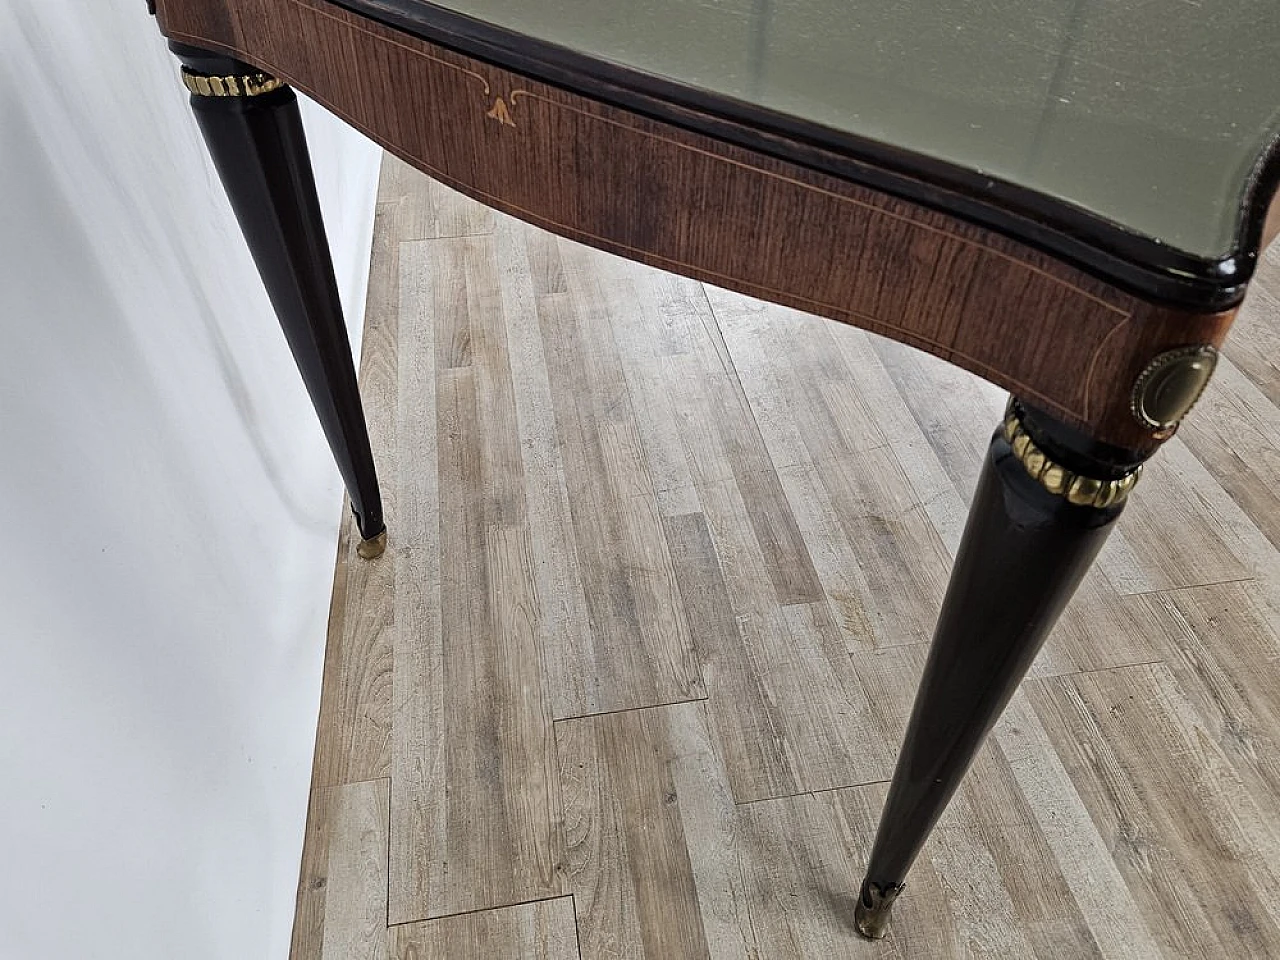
(1115, 252)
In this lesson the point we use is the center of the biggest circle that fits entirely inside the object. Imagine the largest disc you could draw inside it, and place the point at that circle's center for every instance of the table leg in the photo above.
(252, 127)
(1046, 502)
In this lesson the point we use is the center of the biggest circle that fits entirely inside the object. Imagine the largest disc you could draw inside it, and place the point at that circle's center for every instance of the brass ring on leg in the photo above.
(249, 85)
(1081, 490)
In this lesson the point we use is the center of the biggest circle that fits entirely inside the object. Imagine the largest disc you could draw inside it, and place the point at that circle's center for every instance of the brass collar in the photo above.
(249, 85)
(1057, 479)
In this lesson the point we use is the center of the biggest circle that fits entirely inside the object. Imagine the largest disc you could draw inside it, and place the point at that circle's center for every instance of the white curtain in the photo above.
(169, 505)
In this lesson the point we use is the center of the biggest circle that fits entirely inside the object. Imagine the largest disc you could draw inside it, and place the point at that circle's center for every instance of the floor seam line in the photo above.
(808, 793)
(468, 913)
(610, 713)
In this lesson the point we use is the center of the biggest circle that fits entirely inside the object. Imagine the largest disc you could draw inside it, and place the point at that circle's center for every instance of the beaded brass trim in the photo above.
(1057, 479)
(250, 85)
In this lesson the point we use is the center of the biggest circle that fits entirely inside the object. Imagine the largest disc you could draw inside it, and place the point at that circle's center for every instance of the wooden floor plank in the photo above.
(1227, 661)
(859, 514)
(1188, 839)
(477, 824)
(803, 858)
(1029, 888)
(688, 365)
(1134, 631)
(883, 565)
(543, 930)
(308, 917)
(785, 700)
(958, 430)
(429, 210)
(1254, 344)
(1188, 534)
(1098, 893)
(779, 878)
(629, 864)
(418, 697)
(638, 648)
(800, 858)
(342, 895)
(1236, 434)
(530, 267)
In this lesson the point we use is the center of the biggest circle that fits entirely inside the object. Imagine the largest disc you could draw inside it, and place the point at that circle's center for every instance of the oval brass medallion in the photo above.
(1171, 384)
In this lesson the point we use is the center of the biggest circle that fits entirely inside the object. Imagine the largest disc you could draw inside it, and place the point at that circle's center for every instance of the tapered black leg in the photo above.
(1045, 503)
(253, 130)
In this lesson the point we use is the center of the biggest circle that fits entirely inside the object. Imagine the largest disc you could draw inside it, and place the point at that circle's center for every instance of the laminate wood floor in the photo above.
(663, 564)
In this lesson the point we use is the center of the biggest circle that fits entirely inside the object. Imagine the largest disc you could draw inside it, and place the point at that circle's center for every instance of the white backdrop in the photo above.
(170, 511)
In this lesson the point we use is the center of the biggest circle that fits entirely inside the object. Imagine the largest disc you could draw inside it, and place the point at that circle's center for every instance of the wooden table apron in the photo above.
(1068, 342)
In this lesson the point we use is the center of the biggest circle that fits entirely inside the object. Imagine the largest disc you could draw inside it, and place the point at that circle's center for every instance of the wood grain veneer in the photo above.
(691, 204)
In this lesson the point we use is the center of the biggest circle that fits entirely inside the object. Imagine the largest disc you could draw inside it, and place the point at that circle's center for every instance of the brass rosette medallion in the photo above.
(1170, 385)
(1078, 489)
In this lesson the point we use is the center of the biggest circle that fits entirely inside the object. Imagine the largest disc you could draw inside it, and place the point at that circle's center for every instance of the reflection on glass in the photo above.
(1151, 114)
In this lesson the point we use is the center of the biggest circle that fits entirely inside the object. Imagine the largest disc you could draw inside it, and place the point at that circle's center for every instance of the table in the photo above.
(1066, 199)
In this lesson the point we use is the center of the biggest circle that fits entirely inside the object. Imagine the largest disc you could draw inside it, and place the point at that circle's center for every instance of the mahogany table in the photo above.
(1067, 199)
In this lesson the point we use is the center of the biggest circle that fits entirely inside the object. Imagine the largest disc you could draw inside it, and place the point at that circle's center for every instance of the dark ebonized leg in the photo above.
(253, 130)
(1045, 503)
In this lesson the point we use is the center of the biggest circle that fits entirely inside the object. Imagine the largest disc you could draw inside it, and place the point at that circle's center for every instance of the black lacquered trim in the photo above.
(1103, 248)
(1074, 448)
(209, 62)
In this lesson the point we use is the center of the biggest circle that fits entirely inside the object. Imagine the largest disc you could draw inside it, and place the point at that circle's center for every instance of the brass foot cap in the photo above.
(373, 547)
(871, 916)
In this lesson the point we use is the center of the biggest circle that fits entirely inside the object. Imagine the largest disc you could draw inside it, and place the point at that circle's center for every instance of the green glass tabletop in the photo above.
(1151, 114)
